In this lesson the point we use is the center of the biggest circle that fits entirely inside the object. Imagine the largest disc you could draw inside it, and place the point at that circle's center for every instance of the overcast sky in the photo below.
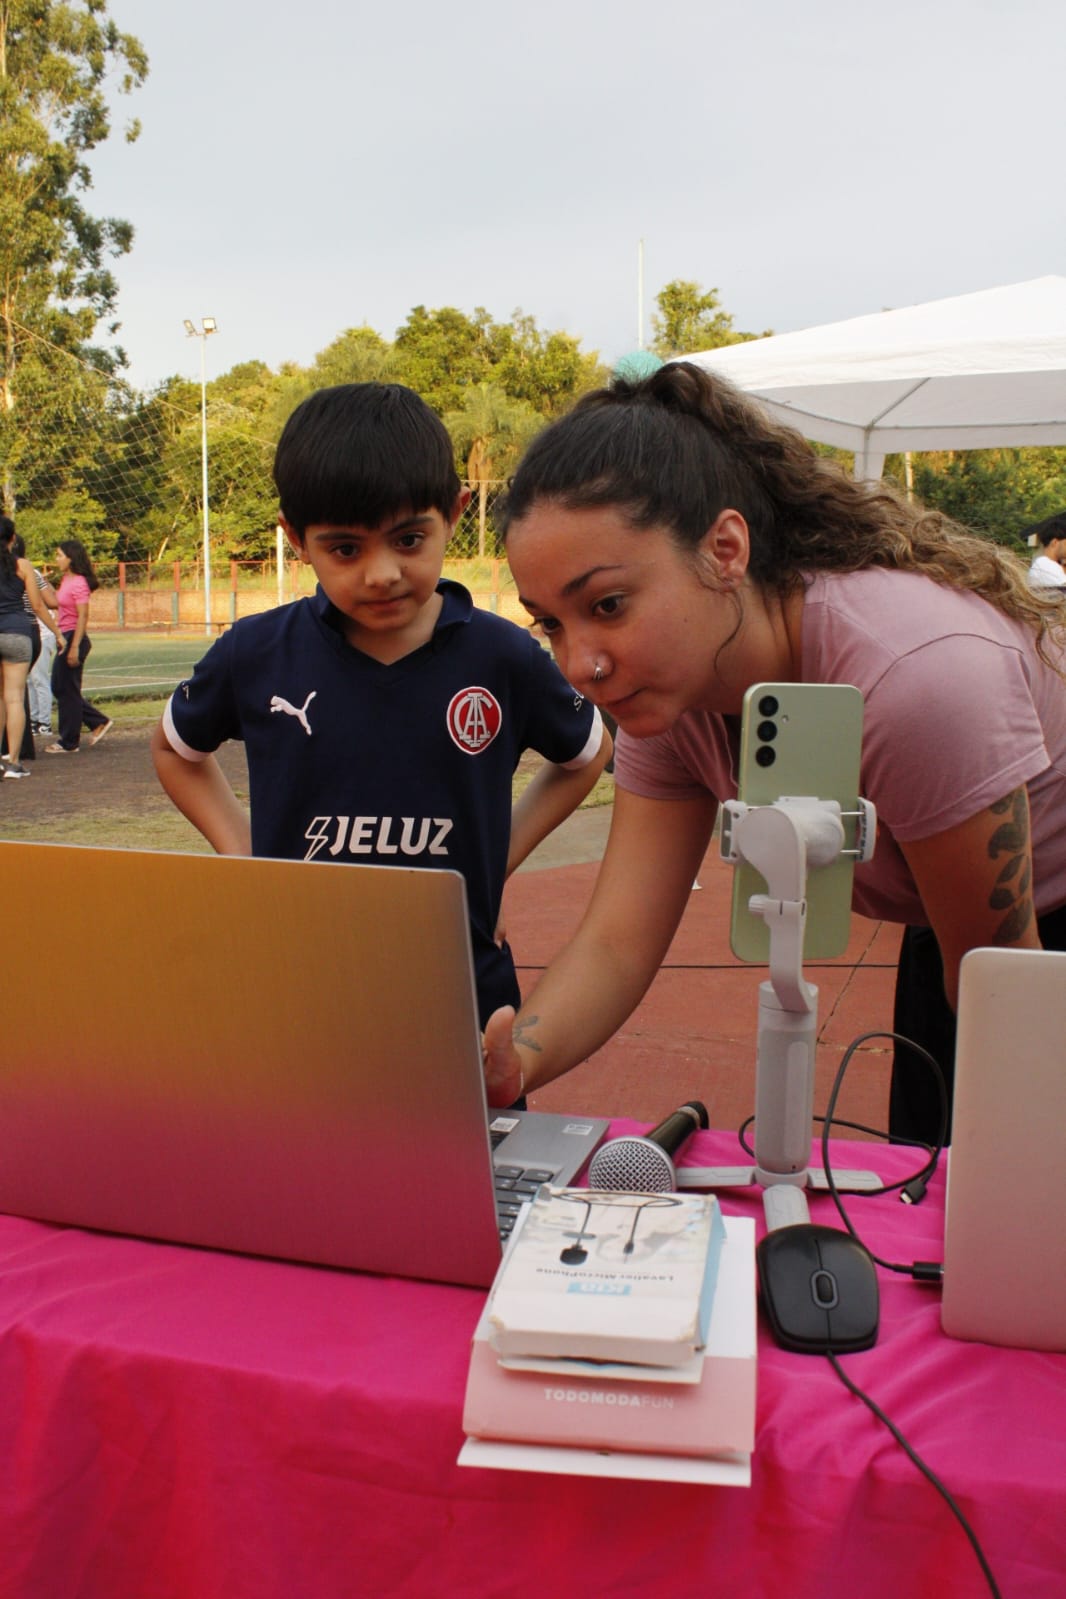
(306, 167)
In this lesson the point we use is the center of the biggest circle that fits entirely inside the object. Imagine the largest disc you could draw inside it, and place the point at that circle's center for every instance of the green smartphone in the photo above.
(800, 739)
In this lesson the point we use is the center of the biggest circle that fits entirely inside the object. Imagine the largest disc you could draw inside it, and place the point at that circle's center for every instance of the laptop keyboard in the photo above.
(514, 1185)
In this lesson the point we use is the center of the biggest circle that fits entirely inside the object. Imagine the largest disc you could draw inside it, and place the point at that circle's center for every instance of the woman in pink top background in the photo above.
(77, 584)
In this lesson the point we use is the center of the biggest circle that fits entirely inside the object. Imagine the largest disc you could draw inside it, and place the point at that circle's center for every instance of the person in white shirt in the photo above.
(1047, 570)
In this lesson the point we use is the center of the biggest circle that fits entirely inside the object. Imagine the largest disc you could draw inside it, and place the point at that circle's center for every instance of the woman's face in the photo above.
(62, 560)
(653, 616)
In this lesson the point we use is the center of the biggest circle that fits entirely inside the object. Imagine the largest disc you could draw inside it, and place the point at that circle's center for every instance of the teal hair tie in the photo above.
(636, 366)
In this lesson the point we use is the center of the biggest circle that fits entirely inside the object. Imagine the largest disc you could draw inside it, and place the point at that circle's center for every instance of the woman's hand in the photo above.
(504, 1082)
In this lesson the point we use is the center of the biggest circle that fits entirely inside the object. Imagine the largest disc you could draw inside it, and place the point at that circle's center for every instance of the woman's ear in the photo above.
(726, 547)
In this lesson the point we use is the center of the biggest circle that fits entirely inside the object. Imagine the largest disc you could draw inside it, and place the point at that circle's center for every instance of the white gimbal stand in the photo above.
(782, 842)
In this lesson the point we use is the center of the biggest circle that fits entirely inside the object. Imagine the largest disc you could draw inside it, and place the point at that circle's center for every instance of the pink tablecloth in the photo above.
(180, 1423)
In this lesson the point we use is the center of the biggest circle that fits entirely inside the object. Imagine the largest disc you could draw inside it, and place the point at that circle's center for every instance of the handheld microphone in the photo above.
(644, 1165)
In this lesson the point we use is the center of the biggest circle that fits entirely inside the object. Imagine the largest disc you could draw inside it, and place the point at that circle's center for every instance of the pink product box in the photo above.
(566, 1403)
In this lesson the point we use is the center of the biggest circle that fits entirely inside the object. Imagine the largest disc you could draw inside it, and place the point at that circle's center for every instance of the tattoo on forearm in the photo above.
(1012, 893)
(521, 1035)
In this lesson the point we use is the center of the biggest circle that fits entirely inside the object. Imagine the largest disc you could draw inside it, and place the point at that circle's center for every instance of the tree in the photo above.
(490, 430)
(547, 370)
(55, 61)
(358, 355)
(440, 353)
(692, 319)
(996, 492)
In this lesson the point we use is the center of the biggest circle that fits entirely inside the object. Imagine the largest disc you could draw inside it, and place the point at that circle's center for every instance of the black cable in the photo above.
(922, 1270)
(912, 1188)
(919, 1179)
(926, 1471)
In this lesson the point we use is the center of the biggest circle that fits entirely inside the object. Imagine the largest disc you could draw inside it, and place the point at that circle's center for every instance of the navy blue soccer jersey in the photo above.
(406, 764)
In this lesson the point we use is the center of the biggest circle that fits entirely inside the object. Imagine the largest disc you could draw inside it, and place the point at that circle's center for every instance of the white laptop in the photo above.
(276, 1057)
(1005, 1239)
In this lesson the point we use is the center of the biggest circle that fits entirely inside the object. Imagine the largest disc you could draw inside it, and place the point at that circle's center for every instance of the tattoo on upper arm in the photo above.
(1012, 893)
(521, 1035)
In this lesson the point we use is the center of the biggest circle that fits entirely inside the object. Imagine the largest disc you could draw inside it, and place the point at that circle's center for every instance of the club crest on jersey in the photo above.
(474, 719)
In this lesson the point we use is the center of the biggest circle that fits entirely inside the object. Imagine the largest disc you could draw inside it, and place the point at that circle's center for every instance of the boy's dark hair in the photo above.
(1053, 528)
(360, 452)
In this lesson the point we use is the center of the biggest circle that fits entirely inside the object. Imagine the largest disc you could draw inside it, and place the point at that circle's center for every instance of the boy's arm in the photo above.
(201, 793)
(549, 799)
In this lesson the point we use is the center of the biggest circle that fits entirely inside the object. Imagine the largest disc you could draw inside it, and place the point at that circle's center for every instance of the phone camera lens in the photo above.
(765, 756)
(766, 732)
(768, 705)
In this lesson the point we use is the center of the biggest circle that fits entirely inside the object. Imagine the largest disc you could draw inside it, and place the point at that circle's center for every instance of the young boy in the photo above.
(383, 718)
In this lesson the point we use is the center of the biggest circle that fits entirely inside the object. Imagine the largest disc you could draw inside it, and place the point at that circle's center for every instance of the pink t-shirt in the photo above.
(72, 592)
(959, 710)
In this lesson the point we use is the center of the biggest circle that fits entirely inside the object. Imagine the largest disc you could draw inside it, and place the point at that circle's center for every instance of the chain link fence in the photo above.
(170, 596)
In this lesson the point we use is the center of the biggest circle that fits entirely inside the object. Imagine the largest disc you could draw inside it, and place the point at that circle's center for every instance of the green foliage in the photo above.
(691, 319)
(358, 355)
(55, 285)
(440, 353)
(444, 354)
(546, 370)
(1000, 493)
(73, 514)
(490, 430)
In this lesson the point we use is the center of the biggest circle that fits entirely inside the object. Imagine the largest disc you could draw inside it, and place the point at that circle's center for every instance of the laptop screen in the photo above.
(277, 1057)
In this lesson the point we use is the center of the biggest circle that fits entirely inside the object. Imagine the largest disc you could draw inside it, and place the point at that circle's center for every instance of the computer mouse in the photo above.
(818, 1287)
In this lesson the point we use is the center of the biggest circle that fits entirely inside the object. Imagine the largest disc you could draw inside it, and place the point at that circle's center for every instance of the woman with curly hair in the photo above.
(676, 546)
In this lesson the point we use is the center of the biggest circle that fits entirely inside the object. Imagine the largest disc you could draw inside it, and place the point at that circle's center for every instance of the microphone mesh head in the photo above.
(632, 1166)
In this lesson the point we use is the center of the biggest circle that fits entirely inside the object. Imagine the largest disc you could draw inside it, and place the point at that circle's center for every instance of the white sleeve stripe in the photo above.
(175, 740)
(592, 744)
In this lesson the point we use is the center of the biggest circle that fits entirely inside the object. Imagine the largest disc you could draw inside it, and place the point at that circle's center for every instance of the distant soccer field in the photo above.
(140, 663)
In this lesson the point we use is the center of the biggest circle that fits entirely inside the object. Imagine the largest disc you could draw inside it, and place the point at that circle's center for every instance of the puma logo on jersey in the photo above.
(378, 835)
(300, 713)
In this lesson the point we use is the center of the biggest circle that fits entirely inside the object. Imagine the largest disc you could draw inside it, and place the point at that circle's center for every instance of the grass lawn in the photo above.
(140, 664)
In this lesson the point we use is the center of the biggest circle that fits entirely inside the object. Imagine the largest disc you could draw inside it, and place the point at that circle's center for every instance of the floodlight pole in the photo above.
(203, 332)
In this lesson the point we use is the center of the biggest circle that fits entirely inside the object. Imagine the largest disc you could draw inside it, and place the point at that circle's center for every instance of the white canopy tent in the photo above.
(973, 372)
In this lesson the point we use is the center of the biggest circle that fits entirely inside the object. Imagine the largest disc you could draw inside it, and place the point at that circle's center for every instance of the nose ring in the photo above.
(597, 672)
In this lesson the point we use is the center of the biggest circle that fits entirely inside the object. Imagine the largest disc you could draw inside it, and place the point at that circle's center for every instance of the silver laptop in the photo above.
(1005, 1242)
(267, 1056)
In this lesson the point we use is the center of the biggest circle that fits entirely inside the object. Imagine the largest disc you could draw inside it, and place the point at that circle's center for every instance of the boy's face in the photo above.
(383, 579)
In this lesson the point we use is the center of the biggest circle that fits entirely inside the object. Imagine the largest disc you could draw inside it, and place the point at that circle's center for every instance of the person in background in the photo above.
(19, 642)
(1047, 570)
(76, 586)
(39, 682)
(677, 546)
(383, 718)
